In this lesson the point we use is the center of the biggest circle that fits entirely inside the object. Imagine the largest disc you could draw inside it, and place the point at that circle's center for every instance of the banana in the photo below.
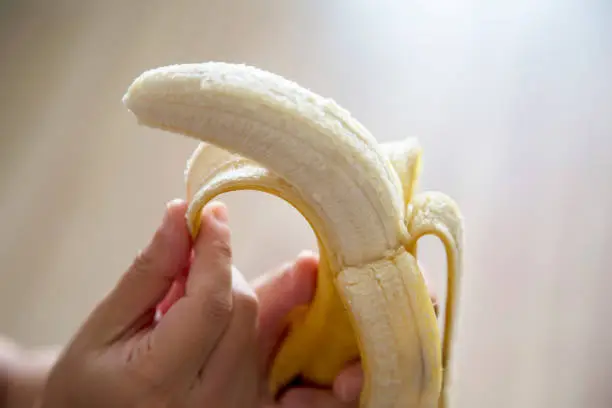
(260, 131)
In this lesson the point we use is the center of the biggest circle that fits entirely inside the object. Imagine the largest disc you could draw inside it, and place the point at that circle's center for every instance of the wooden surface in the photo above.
(512, 102)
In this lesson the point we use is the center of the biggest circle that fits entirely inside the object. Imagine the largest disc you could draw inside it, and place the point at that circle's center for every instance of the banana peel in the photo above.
(260, 131)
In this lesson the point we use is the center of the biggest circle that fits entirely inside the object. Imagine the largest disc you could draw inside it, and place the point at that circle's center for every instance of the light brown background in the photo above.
(511, 102)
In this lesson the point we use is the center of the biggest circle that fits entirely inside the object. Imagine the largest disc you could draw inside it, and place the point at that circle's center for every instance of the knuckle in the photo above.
(146, 264)
(246, 304)
(146, 259)
(218, 309)
(223, 230)
(143, 262)
(223, 248)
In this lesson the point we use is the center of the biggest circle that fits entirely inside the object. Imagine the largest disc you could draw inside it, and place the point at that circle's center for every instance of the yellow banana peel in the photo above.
(260, 131)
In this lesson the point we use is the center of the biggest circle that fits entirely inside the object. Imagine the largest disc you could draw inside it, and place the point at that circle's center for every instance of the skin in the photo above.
(181, 328)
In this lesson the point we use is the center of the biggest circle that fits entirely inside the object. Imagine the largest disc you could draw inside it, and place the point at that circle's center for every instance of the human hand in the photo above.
(211, 347)
(278, 293)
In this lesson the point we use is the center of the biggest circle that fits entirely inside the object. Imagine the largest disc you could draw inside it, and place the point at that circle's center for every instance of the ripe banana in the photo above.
(262, 132)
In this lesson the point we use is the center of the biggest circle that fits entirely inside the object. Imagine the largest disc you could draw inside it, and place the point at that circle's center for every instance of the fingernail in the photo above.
(169, 205)
(220, 213)
(348, 387)
(173, 203)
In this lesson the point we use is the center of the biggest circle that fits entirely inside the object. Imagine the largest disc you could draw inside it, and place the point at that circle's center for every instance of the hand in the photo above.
(213, 342)
(292, 286)
(278, 293)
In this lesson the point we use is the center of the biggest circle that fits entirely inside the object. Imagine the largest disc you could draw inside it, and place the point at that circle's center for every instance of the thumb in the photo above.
(133, 300)
(281, 293)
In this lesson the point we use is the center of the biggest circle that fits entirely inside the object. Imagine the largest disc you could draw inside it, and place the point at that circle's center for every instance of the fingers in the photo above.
(176, 291)
(348, 384)
(191, 329)
(312, 397)
(146, 281)
(278, 295)
(235, 353)
(211, 270)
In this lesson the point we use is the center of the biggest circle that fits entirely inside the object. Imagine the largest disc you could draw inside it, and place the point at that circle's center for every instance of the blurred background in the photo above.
(511, 100)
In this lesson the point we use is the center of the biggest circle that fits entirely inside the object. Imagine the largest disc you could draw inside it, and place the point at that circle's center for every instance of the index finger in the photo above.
(187, 334)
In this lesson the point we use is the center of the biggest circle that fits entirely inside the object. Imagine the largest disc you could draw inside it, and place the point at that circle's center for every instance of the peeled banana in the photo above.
(262, 132)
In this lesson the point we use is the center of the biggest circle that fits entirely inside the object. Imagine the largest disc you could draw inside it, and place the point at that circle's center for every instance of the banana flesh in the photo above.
(262, 132)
